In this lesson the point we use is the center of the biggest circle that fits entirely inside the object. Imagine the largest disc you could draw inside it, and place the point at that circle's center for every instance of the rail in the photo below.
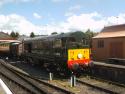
(36, 80)
(97, 87)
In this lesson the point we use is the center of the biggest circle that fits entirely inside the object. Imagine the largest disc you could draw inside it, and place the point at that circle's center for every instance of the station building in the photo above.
(109, 43)
(5, 40)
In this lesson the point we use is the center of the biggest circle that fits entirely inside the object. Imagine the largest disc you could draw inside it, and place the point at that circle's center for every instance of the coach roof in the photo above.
(49, 37)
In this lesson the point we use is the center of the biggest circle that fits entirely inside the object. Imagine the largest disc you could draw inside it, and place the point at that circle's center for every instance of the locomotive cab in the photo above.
(79, 56)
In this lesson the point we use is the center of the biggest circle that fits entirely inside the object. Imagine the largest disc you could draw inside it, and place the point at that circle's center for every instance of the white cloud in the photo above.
(18, 23)
(93, 21)
(116, 19)
(74, 8)
(56, 1)
(36, 15)
(77, 22)
(85, 21)
(69, 13)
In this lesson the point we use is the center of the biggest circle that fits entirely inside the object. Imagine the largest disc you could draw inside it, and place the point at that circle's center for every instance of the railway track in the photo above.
(17, 81)
(95, 87)
(101, 88)
(27, 83)
(104, 86)
(107, 81)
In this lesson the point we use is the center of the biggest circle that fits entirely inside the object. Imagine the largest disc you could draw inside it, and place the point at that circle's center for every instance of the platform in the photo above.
(1, 90)
(111, 72)
(4, 89)
(109, 65)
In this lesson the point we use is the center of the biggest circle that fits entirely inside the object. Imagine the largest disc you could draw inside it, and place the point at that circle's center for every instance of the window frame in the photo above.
(100, 44)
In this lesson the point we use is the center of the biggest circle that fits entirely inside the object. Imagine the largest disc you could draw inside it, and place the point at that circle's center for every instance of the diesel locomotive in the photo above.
(60, 52)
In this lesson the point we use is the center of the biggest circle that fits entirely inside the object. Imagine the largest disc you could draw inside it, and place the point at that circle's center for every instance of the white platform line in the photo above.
(5, 88)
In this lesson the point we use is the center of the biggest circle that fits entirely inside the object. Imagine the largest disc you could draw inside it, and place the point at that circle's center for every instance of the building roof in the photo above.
(112, 31)
(5, 36)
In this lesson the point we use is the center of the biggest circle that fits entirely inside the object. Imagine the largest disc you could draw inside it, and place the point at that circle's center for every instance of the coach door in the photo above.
(116, 50)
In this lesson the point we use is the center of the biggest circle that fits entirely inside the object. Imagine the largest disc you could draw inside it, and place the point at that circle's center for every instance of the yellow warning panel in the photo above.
(78, 54)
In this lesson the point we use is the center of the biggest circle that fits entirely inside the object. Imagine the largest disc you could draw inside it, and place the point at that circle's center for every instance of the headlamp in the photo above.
(80, 56)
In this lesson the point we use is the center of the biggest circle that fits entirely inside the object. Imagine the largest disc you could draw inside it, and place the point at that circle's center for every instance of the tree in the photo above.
(16, 34)
(53, 33)
(32, 34)
(12, 34)
(88, 36)
(79, 35)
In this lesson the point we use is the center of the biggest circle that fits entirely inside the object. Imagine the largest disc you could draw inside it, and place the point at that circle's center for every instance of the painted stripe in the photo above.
(6, 89)
(80, 61)
(9, 41)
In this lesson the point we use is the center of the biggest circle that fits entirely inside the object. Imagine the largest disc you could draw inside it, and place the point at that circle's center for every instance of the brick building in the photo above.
(5, 39)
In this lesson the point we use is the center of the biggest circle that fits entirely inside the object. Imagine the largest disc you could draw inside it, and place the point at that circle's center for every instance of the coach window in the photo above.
(57, 43)
(100, 43)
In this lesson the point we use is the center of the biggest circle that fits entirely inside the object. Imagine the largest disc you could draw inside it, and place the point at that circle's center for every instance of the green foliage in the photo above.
(84, 37)
(14, 34)
(32, 34)
(17, 34)
(54, 33)
(88, 36)
(79, 35)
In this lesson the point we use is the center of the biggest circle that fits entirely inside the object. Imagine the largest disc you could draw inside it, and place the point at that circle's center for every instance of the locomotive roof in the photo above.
(51, 37)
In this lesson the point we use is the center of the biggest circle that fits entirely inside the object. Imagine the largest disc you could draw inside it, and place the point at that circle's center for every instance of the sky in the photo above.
(46, 16)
